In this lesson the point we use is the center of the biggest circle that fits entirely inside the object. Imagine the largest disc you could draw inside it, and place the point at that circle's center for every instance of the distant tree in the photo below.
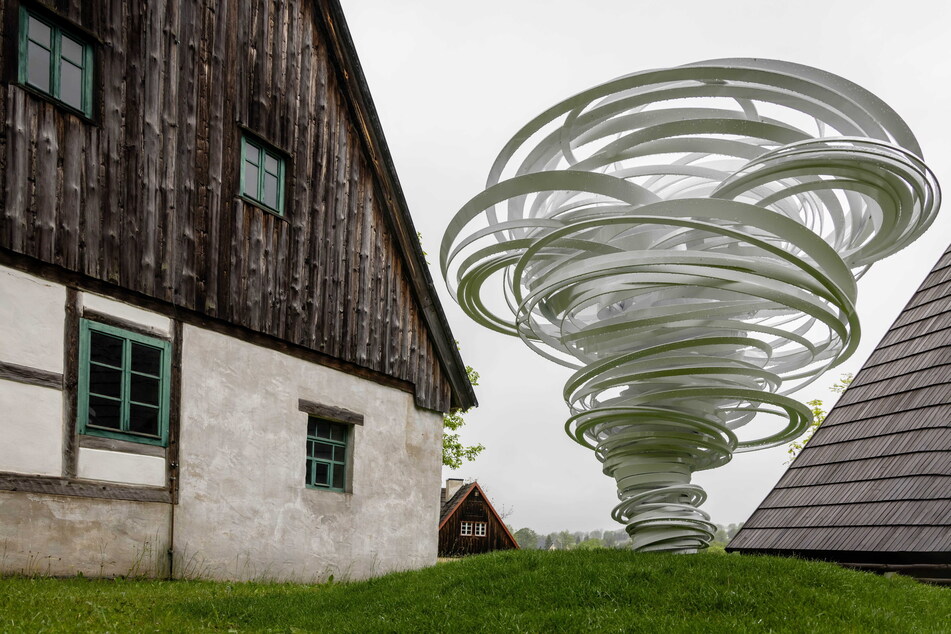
(595, 534)
(725, 533)
(590, 544)
(564, 540)
(579, 536)
(526, 538)
(818, 415)
(549, 541)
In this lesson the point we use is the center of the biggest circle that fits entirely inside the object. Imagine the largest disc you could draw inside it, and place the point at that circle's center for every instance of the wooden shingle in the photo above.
(872, 487)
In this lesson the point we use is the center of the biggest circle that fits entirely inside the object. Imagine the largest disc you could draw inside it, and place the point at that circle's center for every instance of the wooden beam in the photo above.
(71, 487)
(329, 412)
(125, 446)
(30, 376)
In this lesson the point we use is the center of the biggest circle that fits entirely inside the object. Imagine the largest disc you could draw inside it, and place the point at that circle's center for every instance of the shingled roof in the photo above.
(450, 505)
(873, 485)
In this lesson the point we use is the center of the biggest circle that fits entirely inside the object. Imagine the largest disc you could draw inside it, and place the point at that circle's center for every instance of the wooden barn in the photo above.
(872, 488)
(221, 352)
(469, 524)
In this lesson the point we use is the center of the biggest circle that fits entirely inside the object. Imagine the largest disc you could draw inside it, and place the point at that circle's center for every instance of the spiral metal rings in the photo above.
(688, 241)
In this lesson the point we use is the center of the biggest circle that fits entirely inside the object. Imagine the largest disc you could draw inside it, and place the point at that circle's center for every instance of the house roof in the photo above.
(874, 482)
(452, 504)
(368, 126)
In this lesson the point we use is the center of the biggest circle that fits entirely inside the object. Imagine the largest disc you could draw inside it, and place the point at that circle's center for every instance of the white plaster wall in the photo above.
(32, 320)
(31, 429)
(244, 510)
(59, 535)
(118, 466)
(156, 322)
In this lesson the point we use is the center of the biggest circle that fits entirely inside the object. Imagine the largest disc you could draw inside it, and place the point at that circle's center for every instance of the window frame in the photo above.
(466, 529)
(264, 150)
(86, 328)
(57, 30)
(311, 461)
(481, 529)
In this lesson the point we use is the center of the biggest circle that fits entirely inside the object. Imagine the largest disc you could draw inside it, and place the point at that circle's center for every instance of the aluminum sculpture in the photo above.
(688, 241)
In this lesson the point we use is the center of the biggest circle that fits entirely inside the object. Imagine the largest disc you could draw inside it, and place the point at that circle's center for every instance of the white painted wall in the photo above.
(118, 466)
(159, 323)
(32, 321)
(244, 510)
(31, 429)
(60, 535)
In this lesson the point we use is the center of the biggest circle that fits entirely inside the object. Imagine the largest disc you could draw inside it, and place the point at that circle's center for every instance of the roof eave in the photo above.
(371, 132)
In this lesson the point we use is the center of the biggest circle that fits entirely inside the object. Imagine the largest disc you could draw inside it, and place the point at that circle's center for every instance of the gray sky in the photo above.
(453, 81)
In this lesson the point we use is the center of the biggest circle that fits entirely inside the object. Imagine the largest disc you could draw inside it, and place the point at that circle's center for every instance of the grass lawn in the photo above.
(521, 591)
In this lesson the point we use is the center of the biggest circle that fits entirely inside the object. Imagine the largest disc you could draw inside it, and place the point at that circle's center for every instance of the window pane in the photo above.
(338, 477)
(71, 85)
(321, 474)
(250, 180)
(38, 67)
(146, 359)
(270, 191)
(72, 50)
(144, 420)
(105, 381)
(311, 426)
(39, 32)
(270, 164)
(105, 348)
(252, 153)
(323, 451)
(338, 432)
(340, 454)
(104, 412)
(145, 389)
(323, 429)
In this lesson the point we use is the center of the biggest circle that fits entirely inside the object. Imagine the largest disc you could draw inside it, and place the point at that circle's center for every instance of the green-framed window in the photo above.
(124, 381)
(262, 174)
(326, 454)
(56, 61)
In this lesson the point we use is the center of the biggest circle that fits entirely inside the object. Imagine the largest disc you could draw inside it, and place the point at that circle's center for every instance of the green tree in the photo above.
(564, 540)
(590, 544)
(818, 415)
(454, 453)
(549, 541)
(526, 538)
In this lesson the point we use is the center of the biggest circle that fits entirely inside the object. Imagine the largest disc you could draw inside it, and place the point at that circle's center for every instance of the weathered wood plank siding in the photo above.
(145, 196)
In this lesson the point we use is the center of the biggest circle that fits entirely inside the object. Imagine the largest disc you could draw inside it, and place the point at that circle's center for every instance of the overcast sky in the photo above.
(453, 81)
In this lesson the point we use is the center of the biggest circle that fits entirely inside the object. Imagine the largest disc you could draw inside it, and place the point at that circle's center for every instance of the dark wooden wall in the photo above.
(145, 197)
(473, 509)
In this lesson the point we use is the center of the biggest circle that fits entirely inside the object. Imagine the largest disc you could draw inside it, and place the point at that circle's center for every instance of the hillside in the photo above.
(533, 591)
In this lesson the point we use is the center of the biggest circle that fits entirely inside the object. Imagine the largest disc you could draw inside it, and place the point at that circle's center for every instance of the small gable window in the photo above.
(326, 454)
(56, 61)
(468, 529)
(262, 175)
(124, 381)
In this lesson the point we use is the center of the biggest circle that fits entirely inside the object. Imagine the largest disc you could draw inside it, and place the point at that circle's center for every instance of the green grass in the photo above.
(526, 591)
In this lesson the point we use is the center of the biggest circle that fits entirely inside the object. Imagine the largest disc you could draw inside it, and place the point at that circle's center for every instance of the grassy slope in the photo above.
(533, 591)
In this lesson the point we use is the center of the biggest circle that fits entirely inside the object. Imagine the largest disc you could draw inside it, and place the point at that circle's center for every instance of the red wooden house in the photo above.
(469, 524)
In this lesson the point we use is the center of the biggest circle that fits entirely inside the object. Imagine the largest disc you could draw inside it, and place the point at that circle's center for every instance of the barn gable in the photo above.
(873, 485)
(469, 524)
(144, 195)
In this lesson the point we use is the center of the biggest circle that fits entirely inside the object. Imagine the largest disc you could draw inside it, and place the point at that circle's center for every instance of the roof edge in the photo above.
(335, 27)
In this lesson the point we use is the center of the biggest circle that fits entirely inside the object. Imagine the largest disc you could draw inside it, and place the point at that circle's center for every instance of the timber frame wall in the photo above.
(141, 200)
